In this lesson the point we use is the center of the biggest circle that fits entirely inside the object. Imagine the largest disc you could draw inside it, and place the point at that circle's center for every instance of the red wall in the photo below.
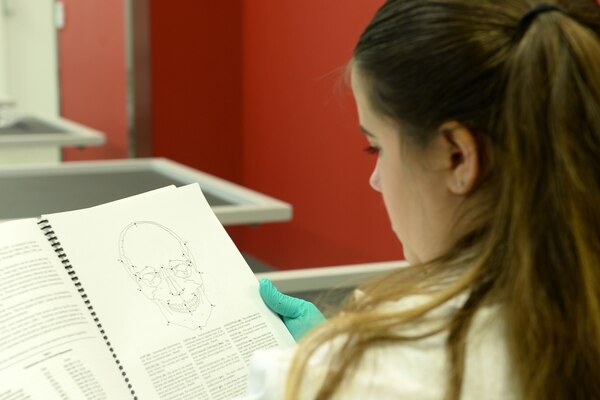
(93, 83)
(302, 142)
(197, 84)
(250, 91)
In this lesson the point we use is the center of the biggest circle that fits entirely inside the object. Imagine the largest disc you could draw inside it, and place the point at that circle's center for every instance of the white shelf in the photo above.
(325, 278)
(31, 190)
(73, 134)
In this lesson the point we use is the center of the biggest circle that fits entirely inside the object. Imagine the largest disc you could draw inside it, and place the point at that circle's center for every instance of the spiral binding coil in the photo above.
(51, 237)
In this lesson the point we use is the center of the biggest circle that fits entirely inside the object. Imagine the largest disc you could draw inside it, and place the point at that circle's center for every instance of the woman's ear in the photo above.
(462, 157)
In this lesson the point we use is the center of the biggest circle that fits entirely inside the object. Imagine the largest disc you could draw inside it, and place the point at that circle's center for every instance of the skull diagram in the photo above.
(164, 270)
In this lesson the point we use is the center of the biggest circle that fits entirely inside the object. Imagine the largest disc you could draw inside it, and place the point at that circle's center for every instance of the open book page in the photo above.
(176, 298)
(50, 346)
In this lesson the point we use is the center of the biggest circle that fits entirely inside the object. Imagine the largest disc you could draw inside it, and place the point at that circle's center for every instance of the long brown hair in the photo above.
(533, 92)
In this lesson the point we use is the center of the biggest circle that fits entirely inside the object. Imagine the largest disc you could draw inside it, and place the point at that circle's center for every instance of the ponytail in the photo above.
(551, 127)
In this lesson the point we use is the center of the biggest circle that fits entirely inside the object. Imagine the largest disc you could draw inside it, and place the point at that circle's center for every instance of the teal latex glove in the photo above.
(298, 315)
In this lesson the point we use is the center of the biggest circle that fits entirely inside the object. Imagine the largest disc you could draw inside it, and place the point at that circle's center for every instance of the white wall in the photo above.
(30, 54)
(3, 88)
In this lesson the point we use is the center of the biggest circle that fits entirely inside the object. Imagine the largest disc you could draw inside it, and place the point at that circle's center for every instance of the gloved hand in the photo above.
(298, 315)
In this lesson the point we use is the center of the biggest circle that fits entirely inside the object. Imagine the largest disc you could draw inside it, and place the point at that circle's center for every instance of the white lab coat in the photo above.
(411, 370)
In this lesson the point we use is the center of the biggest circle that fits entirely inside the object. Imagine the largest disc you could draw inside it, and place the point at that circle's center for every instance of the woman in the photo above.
(485, 118)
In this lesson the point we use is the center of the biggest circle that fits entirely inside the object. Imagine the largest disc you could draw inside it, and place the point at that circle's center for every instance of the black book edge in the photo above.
(51, 237)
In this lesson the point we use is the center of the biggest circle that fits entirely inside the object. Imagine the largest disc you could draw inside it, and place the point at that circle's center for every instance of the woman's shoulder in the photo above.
(487, 373)
(487, 363)
(402, 370)
(419, 368)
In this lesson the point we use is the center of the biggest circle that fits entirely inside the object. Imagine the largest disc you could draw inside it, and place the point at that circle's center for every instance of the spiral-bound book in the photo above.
(145, 297)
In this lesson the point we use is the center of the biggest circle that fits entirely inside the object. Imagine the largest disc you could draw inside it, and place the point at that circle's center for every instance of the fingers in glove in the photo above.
(284, 305)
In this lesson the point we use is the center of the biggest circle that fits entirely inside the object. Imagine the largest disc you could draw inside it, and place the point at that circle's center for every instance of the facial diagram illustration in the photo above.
(164, 270)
